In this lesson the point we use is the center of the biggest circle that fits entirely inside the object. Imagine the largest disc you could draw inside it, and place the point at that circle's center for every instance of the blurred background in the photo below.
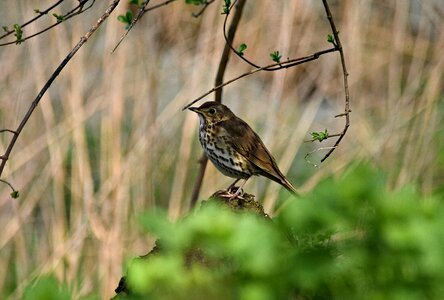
(109, 139)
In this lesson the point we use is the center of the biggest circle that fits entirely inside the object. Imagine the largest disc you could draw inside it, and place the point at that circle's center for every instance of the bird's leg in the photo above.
(232, 185)
(238, 190)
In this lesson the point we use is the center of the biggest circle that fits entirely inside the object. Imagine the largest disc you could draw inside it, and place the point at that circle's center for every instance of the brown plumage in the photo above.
(233, 147)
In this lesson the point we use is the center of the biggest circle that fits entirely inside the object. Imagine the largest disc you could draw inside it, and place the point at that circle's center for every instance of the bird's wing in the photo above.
(248, 144)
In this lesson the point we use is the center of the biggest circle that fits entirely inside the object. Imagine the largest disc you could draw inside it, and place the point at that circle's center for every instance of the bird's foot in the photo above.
(234, 192)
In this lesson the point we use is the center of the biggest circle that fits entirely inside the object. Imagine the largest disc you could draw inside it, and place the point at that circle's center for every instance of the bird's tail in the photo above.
(287, 184)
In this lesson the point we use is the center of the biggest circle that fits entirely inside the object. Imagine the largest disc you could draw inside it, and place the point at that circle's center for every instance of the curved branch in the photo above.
(158, 5)
(205, 5)
(67, 16)
(286, 64)
(36, 101)
(347, 110)
(41, 14)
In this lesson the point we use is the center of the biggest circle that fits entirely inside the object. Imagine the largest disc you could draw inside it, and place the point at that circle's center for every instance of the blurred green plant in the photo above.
(46, 288)
(351, 238)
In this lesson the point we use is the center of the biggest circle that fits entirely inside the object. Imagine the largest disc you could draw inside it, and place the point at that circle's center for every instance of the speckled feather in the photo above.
(233, 147)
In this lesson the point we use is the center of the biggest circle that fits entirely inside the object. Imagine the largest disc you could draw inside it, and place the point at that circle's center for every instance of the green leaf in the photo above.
(226, 7)
(275, 56)
(15, 194)
(135, 2)
(59, 18)
(37, 11)
(5, 28)
(241, 49)
(319, 136)
(129, 17)
(330, 39)
(18, 34)
(121, 18)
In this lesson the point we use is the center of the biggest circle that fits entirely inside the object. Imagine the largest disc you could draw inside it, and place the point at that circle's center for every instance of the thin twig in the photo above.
(218, 97)
(138, 16)
(67, 16)
(345, 74)
(273, 67)
(9, 184)
(286, 64)
(205, 5)
(158, 5)
(36, 101)
(316, 150)
(8, 130)
(41, 14)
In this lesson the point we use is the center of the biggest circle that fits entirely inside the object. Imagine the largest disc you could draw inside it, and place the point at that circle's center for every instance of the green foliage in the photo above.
(46, 288)
(15, 194)
(37, 11)
(226, 7)
(349, 238)
(126, 19)
(5, 28)
(275, 56)
(320, 135)
(241, 49)
(330, 39)
(59, 18)
(18, 33)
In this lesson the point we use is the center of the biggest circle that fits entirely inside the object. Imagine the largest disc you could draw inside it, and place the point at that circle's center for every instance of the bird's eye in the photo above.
(211, 111)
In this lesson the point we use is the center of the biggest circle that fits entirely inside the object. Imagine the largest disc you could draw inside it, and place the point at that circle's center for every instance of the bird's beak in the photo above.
(195, 109)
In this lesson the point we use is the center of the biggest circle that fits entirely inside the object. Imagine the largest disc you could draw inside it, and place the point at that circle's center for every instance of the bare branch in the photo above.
(41, 14)
(286, 64)
(207, 3)
(158, 5)
(10, 185)
(36, 101)
(72, 13)
(141, 12)
(8, 130)
(345, 75)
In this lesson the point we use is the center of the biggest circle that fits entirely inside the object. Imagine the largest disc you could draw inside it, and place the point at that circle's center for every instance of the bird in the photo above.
(234, 148)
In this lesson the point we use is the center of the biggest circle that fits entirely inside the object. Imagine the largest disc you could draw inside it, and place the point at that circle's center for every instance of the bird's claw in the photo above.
(234, 192)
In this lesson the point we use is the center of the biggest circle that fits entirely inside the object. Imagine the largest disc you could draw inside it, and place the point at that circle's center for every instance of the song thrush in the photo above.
(234, 148)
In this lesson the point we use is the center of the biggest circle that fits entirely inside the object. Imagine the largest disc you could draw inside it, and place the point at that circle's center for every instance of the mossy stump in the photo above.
(239, 204)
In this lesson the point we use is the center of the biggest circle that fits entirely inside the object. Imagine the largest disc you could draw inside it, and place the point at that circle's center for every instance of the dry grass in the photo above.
(109, 140)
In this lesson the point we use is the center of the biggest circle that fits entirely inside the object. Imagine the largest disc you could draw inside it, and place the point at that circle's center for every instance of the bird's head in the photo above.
(212, 112)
